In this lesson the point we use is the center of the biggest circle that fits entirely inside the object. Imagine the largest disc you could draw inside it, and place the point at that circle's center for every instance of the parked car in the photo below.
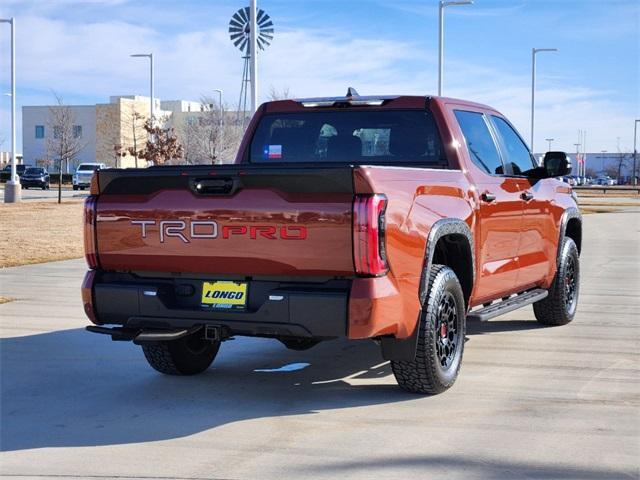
(393, 218)
(605, 180)
(82, 178)
(20, 168)
(35, 177)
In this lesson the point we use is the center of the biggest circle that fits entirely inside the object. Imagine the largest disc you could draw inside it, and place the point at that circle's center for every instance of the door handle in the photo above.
(487, 197)
(526, 196)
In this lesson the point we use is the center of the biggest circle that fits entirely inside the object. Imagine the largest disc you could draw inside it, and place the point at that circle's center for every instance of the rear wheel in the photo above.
(559, 307)
(75, 187)
(186, 356)
(441, 335)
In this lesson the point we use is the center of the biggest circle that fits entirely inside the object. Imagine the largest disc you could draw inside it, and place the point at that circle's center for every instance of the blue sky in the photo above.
(79, 49)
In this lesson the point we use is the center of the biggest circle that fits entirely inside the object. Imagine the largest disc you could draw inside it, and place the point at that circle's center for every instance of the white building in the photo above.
(37, 128)
(99, 128)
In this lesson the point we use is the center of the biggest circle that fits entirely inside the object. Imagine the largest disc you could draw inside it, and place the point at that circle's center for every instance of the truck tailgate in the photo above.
(231, 220)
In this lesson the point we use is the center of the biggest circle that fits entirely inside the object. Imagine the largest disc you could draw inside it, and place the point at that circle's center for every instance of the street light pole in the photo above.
(220, 103)
(150, 57)
(442, 5)
(534, 51)
(253, 34)
(549, 140)
(635, 152)
(13, 189)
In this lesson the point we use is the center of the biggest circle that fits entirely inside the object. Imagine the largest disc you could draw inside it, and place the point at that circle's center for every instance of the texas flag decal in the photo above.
(273, 152)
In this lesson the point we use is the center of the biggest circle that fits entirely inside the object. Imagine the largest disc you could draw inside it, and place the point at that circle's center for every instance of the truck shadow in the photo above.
(73, 388)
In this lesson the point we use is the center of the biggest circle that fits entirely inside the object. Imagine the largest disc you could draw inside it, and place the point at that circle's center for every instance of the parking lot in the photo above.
(531, 402)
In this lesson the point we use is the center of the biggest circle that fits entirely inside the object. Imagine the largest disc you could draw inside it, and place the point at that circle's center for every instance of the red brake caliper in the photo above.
(443, 329)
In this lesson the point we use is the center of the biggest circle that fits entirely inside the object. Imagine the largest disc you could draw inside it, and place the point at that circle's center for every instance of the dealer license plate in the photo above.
(224, 295)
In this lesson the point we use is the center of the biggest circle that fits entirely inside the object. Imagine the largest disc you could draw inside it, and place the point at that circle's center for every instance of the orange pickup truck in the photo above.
(394, 218)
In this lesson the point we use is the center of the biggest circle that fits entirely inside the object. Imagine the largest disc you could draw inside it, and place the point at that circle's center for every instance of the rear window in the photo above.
(88, 168)
(365, 137)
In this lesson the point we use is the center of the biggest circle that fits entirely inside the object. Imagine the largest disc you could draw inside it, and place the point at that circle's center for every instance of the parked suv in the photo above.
(35, 177)
(393, 218)
(82, 178)
(20, 168)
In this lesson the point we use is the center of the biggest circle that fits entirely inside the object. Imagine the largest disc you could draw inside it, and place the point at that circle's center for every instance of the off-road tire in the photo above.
(185, 356)
(426, 374)
(294, 343)
(559, 306)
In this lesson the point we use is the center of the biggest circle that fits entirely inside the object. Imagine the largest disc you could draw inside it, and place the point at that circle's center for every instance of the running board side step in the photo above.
(509, 305)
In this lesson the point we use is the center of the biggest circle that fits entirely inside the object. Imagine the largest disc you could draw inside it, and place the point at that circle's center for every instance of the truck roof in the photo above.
(355, 100)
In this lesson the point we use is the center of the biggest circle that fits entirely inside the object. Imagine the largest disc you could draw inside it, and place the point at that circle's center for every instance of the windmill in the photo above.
(240, 34)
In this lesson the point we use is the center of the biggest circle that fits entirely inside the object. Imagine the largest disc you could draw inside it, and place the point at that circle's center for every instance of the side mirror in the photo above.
(556, 164)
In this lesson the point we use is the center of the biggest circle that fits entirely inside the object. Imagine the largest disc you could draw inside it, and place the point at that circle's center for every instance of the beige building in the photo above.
(110, 133)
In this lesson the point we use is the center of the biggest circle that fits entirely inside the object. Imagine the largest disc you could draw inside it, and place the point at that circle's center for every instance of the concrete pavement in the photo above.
(49, 195)
(531, 402)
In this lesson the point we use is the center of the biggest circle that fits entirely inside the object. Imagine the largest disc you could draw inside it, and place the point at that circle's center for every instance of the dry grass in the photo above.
(36, 232)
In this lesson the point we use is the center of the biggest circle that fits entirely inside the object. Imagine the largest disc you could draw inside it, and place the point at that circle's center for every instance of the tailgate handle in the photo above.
(215, 186)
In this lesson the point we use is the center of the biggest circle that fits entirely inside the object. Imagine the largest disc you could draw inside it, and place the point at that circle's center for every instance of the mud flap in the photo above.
(401, 349)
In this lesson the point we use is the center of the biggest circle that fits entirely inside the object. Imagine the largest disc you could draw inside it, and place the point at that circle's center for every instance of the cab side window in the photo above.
(517, 154)
(480, 143)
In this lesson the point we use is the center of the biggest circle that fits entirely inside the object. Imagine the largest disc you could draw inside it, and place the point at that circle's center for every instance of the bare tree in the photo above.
(591, 172)
(623, 162)
(64, 143)
(209, 136)
(136, 135)
(284, 94)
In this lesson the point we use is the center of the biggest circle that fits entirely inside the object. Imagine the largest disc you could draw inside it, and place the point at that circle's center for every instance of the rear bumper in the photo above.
(33, 183)
(358, 308)
(275, 308)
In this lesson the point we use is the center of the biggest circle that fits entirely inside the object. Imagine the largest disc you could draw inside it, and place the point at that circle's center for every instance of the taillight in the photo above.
(90, 247)
(369, 253)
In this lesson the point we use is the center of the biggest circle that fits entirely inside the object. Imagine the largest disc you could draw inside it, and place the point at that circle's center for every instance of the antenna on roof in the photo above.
(351, 92)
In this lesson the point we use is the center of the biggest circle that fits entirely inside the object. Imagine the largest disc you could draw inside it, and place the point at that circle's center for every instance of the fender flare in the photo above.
(443, 227)
(405, 349)
(568, 214)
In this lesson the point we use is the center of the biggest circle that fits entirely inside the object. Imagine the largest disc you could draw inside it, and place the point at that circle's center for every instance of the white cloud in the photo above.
(91, 61)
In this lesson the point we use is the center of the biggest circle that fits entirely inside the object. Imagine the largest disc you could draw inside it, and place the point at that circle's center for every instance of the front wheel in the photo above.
(559, 307)
(441, 333)
(186, 356)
